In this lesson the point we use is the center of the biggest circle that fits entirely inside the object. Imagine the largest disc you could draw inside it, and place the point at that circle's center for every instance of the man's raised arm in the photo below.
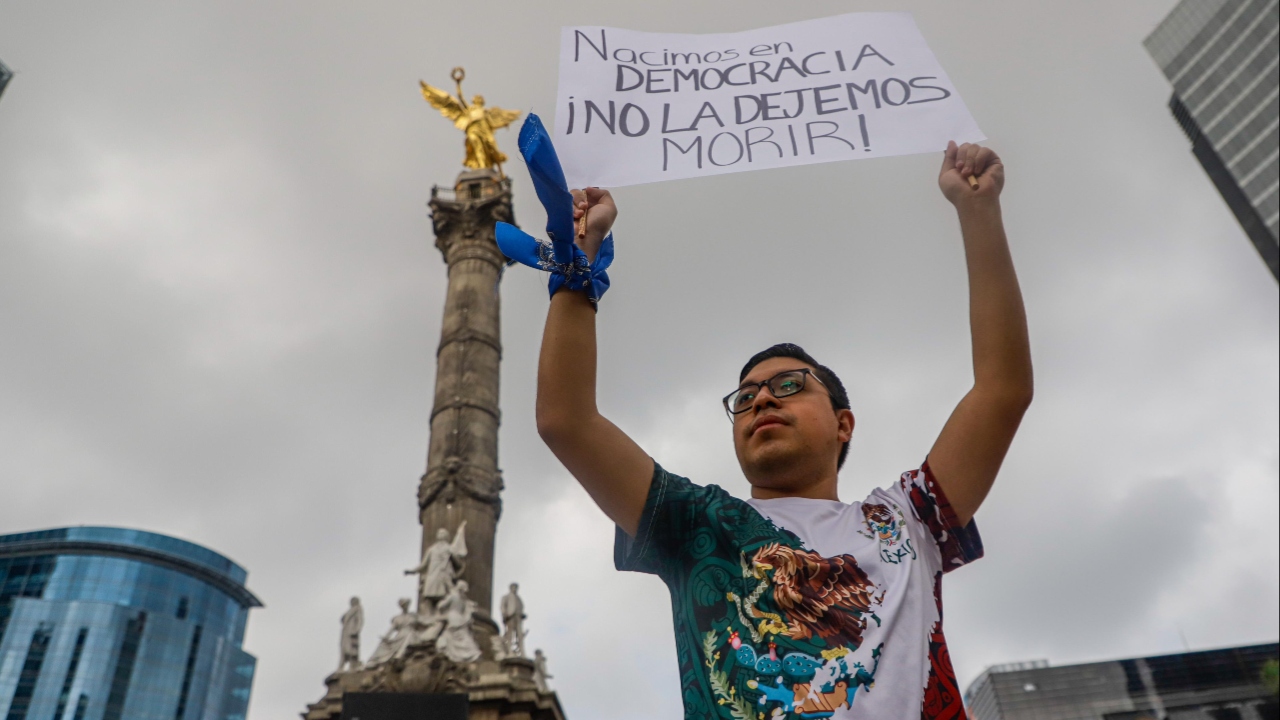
(973, 443)
(615, 472)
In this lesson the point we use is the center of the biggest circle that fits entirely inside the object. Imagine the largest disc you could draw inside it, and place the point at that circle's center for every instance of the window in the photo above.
(22, 577)
(124, 667)
(192, 655)
(82, 706)
(30, 672)
(70, 678)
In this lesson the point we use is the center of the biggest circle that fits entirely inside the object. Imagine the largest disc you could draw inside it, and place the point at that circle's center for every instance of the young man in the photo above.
(793, 604)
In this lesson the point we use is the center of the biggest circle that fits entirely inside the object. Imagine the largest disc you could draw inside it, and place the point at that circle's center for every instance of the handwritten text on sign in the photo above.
(638, 107)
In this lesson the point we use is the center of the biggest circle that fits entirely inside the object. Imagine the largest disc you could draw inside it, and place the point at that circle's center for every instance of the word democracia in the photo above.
(675, 79)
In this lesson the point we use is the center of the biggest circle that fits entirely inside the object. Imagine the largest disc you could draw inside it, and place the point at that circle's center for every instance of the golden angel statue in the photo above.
(474, 119)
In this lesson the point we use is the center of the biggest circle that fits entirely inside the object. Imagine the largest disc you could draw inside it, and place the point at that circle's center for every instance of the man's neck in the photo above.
(824, 489)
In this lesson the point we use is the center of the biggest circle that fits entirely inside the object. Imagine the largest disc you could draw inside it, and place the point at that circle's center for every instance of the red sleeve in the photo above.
(959, 545)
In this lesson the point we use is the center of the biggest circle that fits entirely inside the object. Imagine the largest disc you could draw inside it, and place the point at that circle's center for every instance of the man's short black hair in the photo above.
(839, 397)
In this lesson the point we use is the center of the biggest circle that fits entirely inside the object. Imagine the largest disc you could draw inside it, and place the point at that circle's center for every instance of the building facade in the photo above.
(100, 623)
(1221, 58)
(1223, 684)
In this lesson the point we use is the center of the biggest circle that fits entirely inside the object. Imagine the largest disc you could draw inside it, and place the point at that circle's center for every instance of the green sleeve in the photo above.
(674, 509)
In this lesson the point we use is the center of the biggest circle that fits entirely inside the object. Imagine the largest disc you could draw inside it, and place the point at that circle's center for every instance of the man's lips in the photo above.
(765, 422)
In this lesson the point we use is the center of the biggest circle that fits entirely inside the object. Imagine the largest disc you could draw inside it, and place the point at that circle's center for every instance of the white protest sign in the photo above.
(638, 107)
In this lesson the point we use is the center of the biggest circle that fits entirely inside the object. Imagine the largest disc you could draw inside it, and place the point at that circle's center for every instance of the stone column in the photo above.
(462, 481)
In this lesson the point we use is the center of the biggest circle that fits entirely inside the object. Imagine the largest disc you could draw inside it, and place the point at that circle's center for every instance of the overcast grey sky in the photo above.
(219, 305)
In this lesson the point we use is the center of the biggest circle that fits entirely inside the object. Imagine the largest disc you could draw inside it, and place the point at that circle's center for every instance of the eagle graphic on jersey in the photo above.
(827, 597)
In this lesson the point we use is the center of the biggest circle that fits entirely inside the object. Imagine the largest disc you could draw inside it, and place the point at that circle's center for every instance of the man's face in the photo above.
(784, 443)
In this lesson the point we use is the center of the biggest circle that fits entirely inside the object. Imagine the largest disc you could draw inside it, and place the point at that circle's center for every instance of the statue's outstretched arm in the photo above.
(443, 101)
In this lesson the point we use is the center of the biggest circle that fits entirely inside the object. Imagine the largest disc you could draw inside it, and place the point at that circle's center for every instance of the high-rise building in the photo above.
(1221, 57)
(113, 624)
(1225, 684)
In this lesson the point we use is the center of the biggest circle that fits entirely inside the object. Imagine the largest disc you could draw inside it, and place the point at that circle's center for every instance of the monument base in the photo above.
(404, 706)
(496, 689)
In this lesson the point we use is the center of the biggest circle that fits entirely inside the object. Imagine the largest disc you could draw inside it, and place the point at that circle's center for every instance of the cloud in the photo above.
(219, 304)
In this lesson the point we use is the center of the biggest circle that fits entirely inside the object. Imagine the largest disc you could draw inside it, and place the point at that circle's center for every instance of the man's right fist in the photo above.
(600, 212)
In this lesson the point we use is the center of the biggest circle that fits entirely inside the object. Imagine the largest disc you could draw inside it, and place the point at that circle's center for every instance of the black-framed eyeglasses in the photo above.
(784, 384)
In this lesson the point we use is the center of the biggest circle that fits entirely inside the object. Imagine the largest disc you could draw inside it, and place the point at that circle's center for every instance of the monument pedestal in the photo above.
(508, 691)
(497, 690)
(329, 707)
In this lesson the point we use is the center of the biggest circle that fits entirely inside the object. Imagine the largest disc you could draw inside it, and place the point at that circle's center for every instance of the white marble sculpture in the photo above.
(456, 641)
(513, 618)
(441, 564)
(499, 648)
(540, 674)
(396, 641)
(352, 624)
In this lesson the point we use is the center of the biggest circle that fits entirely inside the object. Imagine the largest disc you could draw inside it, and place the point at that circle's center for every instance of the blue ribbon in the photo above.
(567, 263)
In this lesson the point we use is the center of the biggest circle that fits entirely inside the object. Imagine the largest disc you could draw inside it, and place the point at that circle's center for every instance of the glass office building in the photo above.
(102, 623)
(1221, 57)
(1227, 684)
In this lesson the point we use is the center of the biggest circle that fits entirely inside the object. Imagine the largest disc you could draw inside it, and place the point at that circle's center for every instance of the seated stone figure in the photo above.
(456, 641)
(396, 641)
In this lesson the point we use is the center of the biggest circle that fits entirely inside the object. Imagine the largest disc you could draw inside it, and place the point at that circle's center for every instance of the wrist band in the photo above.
(558, 255)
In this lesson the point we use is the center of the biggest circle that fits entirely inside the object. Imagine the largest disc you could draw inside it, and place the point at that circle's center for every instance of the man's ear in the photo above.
(846, 422)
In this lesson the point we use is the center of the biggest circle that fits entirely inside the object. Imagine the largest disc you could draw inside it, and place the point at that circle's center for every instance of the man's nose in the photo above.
(764, 398)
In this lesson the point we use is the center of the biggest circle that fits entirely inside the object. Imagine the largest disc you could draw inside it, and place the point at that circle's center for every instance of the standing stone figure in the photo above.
(396, 641)
(456, 641)
(440, 566)
(352, 624)
(513, 618)
(540, 674)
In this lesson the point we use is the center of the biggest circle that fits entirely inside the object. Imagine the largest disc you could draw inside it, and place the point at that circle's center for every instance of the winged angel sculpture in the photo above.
(474, 119)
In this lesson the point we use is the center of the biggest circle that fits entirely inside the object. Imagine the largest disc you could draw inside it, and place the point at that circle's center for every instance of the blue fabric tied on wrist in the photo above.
(567, 263)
